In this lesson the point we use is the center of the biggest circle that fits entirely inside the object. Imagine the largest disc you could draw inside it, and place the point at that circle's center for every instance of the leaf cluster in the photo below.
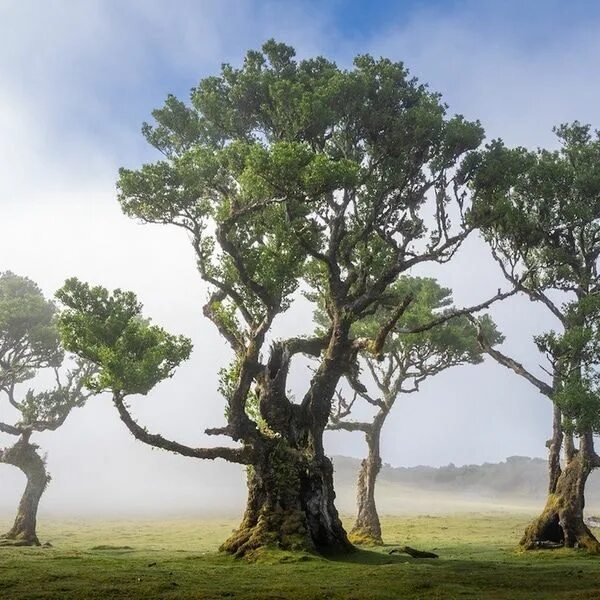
(29, 343)
(108, 329)
(28, 336)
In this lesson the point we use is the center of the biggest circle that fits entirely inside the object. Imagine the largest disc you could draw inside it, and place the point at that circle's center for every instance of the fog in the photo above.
(76, 82)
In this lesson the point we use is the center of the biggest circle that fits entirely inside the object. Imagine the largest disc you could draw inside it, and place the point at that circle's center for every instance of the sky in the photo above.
(77, 79)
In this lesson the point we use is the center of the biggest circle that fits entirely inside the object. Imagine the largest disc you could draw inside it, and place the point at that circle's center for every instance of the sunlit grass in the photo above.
(178, 558)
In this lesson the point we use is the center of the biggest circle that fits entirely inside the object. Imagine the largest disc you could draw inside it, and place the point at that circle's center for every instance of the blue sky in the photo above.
(94, 69)
(77, 79)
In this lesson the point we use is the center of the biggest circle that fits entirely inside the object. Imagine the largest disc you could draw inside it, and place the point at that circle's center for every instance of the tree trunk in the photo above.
(367, 528)
(562, 521)
(290, 506)
(24, 456)
(554, 445)
(290, 481)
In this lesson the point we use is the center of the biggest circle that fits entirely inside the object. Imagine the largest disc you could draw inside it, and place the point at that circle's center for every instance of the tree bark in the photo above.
(367, 527)
(562, 521)
(24, 456)
(554, 445)
(290, 506)
(290, 481)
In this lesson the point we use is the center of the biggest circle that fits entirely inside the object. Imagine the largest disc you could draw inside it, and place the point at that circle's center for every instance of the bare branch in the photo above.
(238, 455)
(311, 346)
(348, 426)
(344, 408)
(9, 390)
(210, 313)
(510, 363)
(379, 343)
(534, 294)
(68, 395)
(10, 429)
(451, 314)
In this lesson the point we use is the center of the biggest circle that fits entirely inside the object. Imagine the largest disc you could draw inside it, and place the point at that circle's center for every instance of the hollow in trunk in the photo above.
(561, 521)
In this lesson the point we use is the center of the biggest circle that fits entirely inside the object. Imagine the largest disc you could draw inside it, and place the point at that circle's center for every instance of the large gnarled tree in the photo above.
(414, 351)
(542, 217)
(29, 344)
(293, 176)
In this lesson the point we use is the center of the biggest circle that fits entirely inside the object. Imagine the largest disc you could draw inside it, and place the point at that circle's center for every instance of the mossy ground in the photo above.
(178, 559)
(364, 538)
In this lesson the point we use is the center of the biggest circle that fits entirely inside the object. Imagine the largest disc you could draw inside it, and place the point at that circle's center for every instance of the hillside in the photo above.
(519, 481)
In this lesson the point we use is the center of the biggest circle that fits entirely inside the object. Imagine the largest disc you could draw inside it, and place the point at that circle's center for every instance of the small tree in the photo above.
(407, 360)
(290, 175)
(541, 216)
(29, 344)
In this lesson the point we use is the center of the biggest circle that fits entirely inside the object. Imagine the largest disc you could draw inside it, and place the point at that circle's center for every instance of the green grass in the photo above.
(178, 559)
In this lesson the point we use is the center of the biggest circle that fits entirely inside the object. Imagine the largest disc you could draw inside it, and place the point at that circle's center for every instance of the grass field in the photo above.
(178, 559)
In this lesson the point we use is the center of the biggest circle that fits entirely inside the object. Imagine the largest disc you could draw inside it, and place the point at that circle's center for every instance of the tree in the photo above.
(542, 220)
(29, 344)
(294, 176)
(408, 360)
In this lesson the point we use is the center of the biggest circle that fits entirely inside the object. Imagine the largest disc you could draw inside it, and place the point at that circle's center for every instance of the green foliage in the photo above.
(108, 330)
(48, 405)
(28, 336)
(228, 380)
(297, 175)
(266, 154)
(540, 211)
(454, 341)
(420, 354)
(30, 342)
(540, 206)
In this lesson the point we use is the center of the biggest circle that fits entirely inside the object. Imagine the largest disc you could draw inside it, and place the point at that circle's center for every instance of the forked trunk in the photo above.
(290, 507)
(290, 482)
(24, 456)
(561, 522)
(367, 528)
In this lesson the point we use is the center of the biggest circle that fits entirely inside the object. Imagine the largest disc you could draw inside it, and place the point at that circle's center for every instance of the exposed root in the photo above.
(17, 542)
(558, 526)
(276, 528)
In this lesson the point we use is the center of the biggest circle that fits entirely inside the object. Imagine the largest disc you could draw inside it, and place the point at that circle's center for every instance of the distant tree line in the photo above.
(518, 477)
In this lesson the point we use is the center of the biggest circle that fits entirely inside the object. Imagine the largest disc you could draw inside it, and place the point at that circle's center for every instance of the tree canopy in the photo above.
(30, 342)
(293, 176)
(131, 354)
(411, 352)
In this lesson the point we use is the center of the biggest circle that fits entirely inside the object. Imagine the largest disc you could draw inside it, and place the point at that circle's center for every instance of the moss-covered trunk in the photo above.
(24, 456)
(290, 482)
(367, 528)
(290, 506)
(561, 521)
